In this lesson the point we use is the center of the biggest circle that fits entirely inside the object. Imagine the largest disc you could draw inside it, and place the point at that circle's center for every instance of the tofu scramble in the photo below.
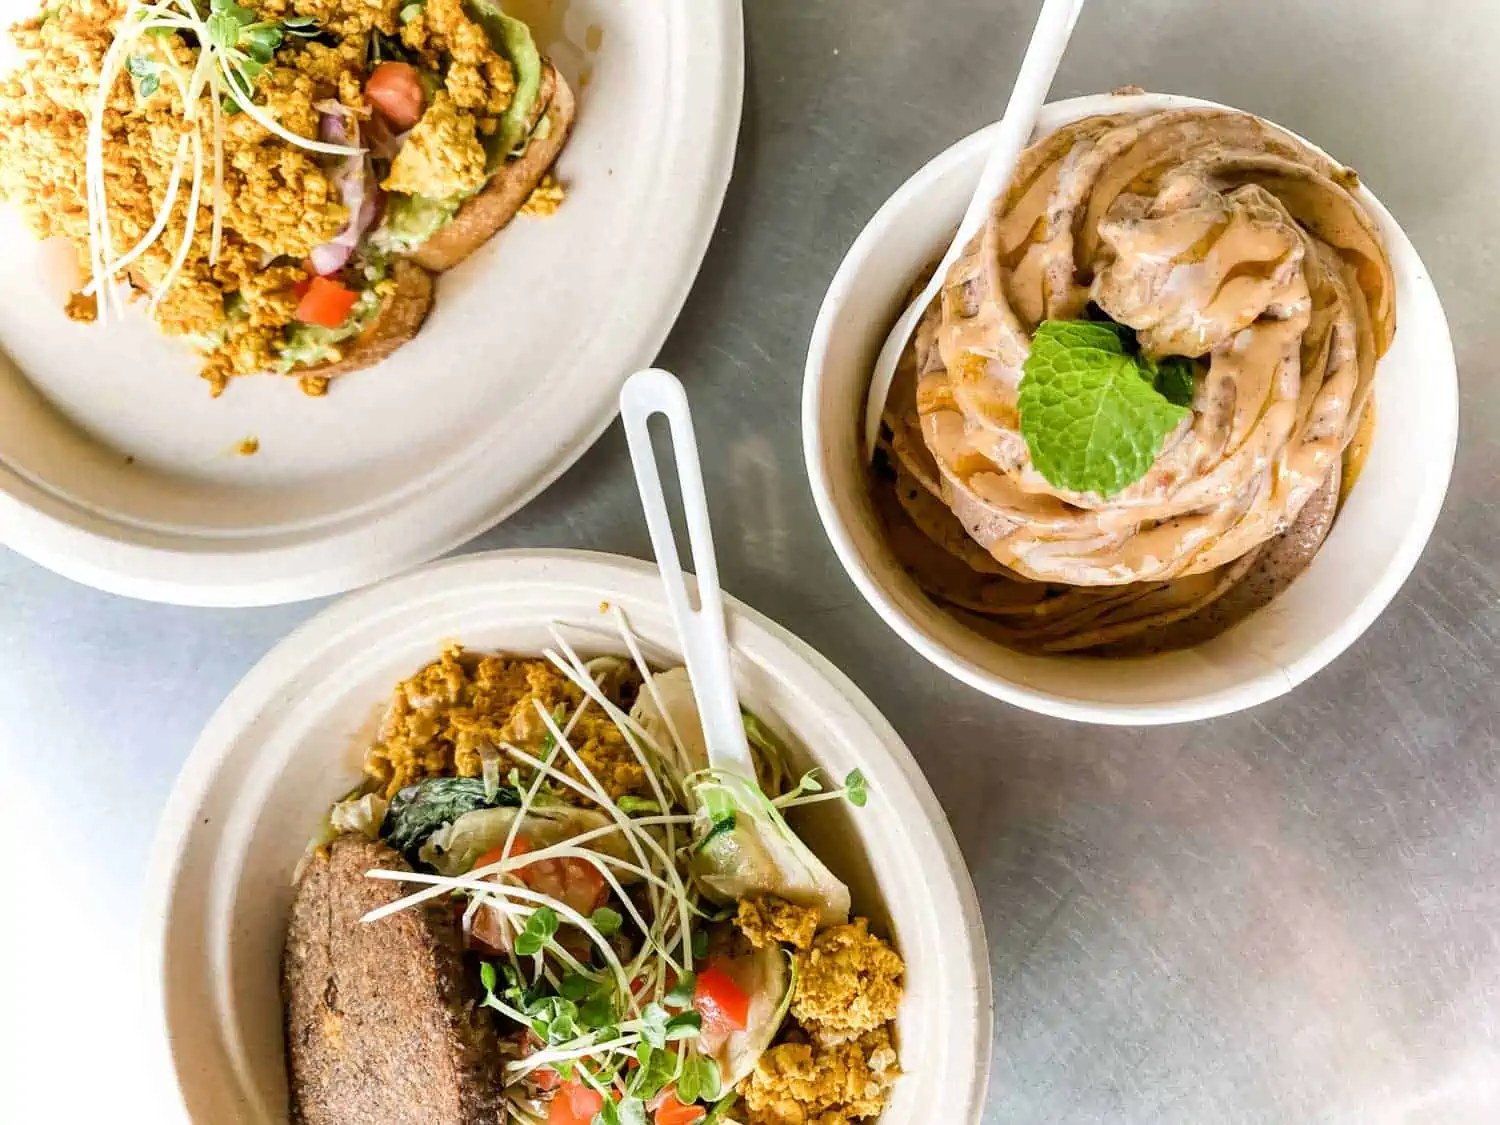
(639, 935)
(458, 711)
(255, 192)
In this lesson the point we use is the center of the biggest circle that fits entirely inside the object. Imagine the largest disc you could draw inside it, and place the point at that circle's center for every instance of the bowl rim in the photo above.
(1257, 689)
(763, 642)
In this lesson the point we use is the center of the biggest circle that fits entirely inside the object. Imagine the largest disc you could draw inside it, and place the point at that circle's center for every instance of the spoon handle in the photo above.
(705, 642)
(1049, 39)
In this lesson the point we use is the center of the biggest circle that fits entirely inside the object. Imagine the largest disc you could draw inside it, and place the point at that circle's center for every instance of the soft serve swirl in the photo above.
(1213, 235)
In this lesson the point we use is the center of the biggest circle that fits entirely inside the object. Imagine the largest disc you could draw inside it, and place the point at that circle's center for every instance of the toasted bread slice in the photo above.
(397, 321)
(481, 217)
(382, 1019)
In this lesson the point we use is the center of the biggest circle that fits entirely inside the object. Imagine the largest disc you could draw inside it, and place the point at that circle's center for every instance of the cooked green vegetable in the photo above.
(420, 810)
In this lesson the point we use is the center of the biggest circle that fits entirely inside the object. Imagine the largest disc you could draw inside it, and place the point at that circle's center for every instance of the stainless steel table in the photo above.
(1292, 915)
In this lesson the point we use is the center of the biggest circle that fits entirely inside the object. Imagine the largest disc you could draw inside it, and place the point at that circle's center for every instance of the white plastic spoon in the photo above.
(705, 642)
(1054, 27)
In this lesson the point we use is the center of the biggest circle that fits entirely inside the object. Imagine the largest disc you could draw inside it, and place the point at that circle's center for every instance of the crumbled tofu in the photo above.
(766, 920)
(815, 1084)
(443, 721)
(848, 983)
(544, 199)
(442, 157)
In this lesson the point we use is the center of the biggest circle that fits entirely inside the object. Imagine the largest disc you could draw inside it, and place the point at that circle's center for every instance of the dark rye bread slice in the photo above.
(399, 317)
(382, 1025)
(479, 219)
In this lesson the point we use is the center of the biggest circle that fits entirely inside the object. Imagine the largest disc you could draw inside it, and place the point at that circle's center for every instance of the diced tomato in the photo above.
(574, 1104)
(326, 303)
(300, 288)
(670, 1111)
(546, 1078)
(576, 883)
(519, 846)
(395, 88)
(721, 1002)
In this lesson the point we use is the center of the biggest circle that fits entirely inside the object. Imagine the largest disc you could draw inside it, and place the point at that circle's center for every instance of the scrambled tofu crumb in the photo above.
(442, 156)
(83, 308)
(544, 199)
(812, 1084)
(479, 78)
(451, 714)
(848, 983)
(249, 447)
(766, 919)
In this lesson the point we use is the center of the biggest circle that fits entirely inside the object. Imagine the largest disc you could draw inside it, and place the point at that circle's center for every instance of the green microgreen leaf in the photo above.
(632, 1112)
(684, 1025)
(539, 930)
(606, 921)
(680, 995)
(699, 1081)
(855, 789)
(654, 1025)
(809, 783)
(223, 30)
(700, 944)
(657, 1068)
(411, 12)
(599, 1012)
(487, 976)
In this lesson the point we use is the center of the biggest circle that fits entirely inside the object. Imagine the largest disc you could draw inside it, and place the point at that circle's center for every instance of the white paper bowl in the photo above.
(1373, 546)
(291, 737)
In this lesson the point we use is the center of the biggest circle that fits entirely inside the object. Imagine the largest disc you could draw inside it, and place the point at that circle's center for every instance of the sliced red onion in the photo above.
(357, 187)
(383, 143)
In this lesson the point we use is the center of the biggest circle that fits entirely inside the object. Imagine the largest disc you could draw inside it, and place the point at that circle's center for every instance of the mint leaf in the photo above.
(1174, 379)
(1091, 418)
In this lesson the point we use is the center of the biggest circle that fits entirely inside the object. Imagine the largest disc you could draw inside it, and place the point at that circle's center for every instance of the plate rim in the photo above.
(241, 711)
(186, 570)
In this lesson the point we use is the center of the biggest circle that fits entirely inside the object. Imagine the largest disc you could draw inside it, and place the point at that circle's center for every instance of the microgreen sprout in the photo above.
(855, 790)
(539, 930)
(606, 921)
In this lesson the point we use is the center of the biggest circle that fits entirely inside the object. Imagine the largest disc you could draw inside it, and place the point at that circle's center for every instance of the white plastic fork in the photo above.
(1049, 39)
(705, 641)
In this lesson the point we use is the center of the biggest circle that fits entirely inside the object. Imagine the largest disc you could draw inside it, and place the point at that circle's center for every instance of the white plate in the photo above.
(118, 470)
(290, 739)
(1377, 539)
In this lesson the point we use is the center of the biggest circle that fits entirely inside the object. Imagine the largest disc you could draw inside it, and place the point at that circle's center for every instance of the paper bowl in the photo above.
(1373, 546)
(290, 738)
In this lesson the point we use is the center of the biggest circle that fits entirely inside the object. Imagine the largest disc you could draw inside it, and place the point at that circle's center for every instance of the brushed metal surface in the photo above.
(1292, 915)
